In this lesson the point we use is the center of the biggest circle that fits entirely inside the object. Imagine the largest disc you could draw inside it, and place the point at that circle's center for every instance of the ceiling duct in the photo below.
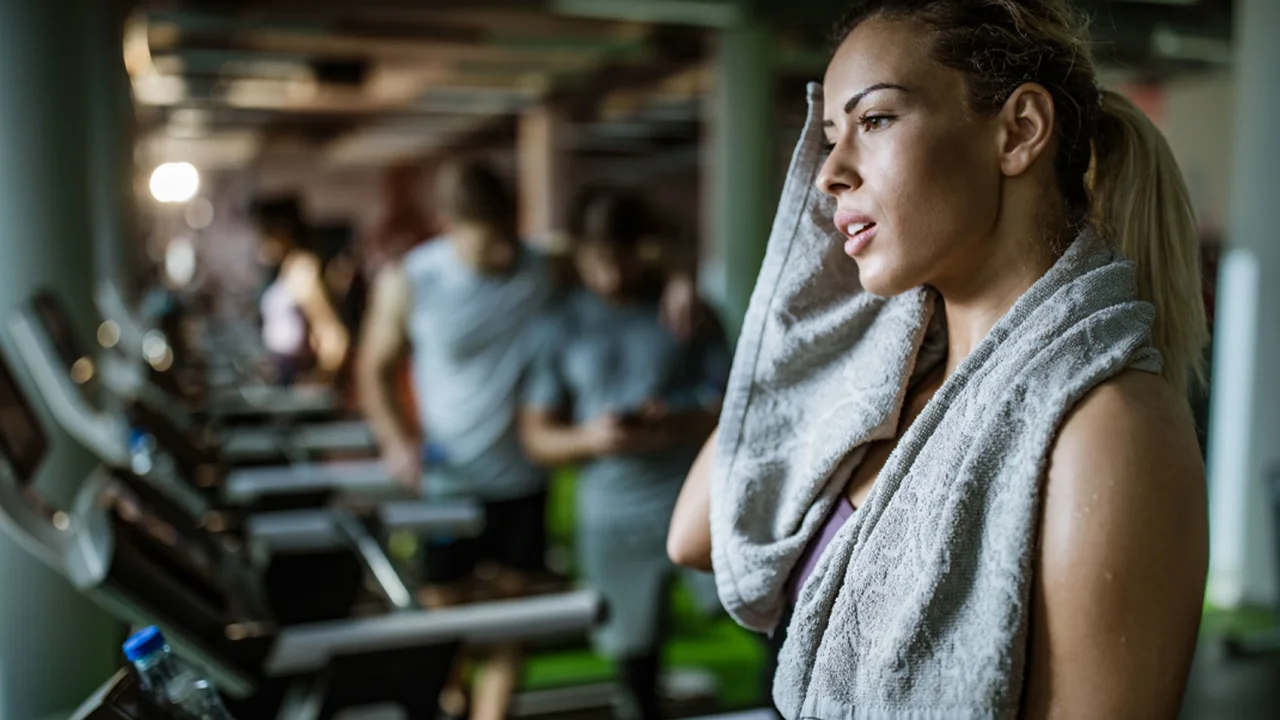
(347, 72)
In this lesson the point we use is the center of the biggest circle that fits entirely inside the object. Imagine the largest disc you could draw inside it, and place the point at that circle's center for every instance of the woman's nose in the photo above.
(837, 175)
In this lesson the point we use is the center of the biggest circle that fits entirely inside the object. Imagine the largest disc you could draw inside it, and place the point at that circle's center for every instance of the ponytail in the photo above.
(1139, 200)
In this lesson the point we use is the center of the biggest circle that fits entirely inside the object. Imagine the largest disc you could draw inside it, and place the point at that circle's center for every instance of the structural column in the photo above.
(54, 646)
(542, 173)
(740, 193)
(1244, 444)
(111, 142)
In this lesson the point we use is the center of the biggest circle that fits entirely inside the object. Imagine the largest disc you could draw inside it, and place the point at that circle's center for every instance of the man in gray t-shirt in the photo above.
(463, 304)
(468, 329)
(614, 390)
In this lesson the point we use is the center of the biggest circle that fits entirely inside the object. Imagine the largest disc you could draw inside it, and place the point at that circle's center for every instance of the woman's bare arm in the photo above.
(689, 539)
(305, 281)
(1119, 581)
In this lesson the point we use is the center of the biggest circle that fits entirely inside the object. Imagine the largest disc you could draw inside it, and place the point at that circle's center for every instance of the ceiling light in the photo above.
(175, 182)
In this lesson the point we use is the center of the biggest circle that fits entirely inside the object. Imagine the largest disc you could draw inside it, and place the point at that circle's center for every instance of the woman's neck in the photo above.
(976, 301)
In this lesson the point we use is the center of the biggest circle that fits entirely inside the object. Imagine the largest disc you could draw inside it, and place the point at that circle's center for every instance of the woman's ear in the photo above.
(1026, 124)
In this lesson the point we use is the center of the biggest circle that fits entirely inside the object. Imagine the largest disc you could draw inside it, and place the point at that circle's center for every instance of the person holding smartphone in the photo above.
(612, 388)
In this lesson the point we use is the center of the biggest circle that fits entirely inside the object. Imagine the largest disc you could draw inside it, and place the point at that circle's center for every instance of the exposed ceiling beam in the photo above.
(700, 13)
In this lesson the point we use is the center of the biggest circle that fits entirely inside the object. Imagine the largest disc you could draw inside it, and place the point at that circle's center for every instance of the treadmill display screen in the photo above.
(21, 440)
(53, 315)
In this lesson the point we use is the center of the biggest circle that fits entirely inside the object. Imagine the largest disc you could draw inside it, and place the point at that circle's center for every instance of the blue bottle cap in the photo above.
(433, 455)
(143, 643)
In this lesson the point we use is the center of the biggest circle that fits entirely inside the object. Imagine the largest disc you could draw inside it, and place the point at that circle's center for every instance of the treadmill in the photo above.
(275, 509)
(235, 392)
(64, 371)
(258, 422)
(137, 555)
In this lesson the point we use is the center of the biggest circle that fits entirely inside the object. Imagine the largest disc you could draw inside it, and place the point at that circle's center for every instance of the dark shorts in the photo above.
(514, 537)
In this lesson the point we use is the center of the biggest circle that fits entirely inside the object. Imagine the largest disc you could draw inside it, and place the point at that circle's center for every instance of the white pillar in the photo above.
(740, 193)
(1244, 444)
(54, 646)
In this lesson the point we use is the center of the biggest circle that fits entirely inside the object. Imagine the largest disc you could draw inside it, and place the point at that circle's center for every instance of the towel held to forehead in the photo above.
(918, 607)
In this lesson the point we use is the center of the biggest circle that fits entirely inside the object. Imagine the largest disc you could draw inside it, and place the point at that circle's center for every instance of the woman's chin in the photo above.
(880, 283)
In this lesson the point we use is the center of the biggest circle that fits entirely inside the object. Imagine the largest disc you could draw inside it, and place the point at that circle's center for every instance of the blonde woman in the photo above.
(956, 451)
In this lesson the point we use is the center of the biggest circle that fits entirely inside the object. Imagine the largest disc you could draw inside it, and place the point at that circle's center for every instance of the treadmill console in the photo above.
(124, 538)
(21, 440)
(57, 322)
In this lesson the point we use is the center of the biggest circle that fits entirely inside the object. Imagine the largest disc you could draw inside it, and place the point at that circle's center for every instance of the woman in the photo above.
(299, 321)
(974, 487)
(614, 389)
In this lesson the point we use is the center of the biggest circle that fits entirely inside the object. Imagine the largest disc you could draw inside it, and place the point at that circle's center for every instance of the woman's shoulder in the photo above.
(300, 261)
(1132, 406)
(1129, 446)
(300, 271)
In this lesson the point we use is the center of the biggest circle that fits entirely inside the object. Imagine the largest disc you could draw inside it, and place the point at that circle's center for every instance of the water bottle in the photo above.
(142, 446)
(169, 684)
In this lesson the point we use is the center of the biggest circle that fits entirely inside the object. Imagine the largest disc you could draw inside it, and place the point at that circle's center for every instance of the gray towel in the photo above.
(918, 607)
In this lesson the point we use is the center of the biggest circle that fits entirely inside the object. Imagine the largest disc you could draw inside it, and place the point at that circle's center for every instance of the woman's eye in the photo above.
(875, 122)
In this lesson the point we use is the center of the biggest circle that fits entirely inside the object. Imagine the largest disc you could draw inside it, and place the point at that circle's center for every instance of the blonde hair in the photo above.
(1140, 201)
(1114, 169)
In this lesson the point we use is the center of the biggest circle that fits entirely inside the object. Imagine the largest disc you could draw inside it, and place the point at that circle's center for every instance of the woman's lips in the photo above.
(859, 229)
(859, 241)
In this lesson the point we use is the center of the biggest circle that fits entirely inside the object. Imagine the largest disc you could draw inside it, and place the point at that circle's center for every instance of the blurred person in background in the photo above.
(402, 224)
(461, 306)
(462, 303)
(301, 328)
(614, 389)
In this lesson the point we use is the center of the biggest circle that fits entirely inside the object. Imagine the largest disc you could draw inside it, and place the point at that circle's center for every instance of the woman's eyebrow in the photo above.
(862, 94)
(858, 96)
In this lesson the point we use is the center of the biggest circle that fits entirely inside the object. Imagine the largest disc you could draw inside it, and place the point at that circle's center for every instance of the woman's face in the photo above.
(271, 250)
(610, 272)
(915, 173)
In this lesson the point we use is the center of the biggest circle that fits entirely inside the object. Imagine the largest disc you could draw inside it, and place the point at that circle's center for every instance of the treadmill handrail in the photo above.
(375, 560)
(315, 529)
(308, 648)
(298, 441)
(112, 307)
(102, 433)
(337, 435)
(249, 484)
(258, 397)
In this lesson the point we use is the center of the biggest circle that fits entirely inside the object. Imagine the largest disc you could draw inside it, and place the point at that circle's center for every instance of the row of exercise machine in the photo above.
(228, 524)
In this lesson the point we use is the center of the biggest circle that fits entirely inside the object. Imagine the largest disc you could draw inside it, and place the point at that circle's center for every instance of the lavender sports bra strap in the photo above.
(809, 560)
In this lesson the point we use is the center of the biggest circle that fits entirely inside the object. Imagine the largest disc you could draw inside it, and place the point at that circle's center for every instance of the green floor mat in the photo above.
(730, 654)
(735, 657)
(1237, 621)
